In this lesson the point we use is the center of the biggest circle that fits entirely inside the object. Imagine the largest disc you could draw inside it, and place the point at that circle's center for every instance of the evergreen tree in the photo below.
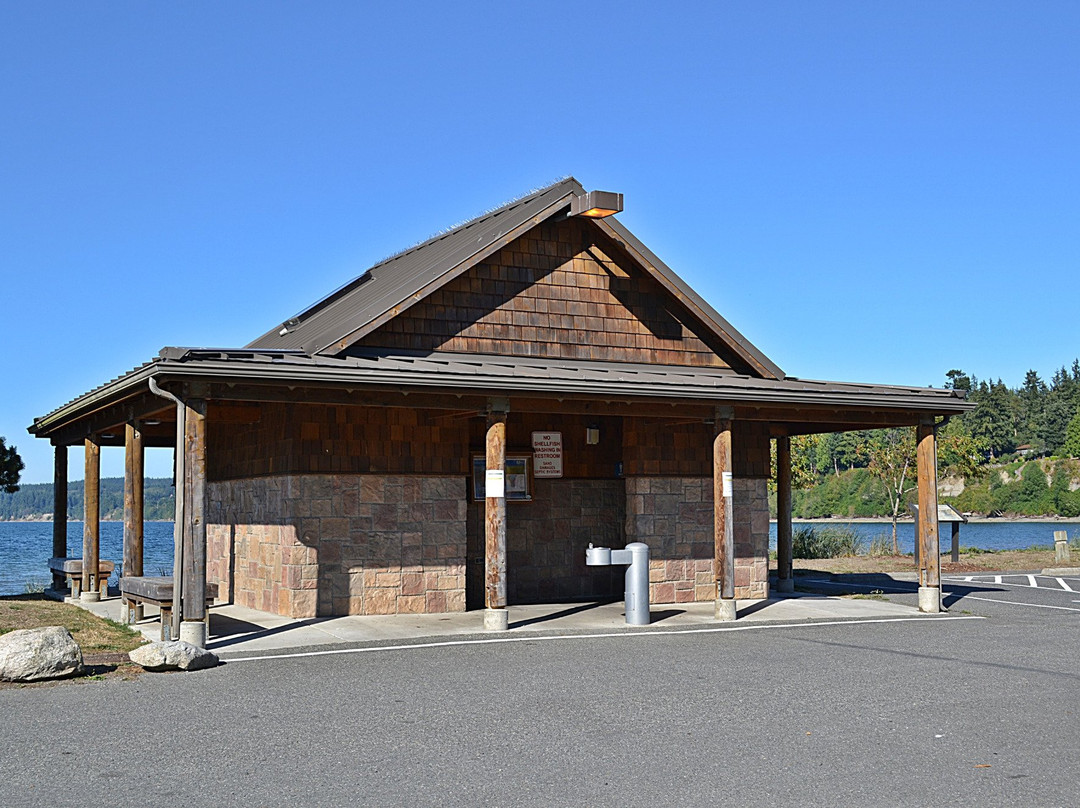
(958, 380)
(11, 466)
(1031, 403)
(1072, 437)
(992, 419)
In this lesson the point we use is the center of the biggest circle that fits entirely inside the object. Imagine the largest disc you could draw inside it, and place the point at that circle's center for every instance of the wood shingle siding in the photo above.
(557, 293)
(323, 439)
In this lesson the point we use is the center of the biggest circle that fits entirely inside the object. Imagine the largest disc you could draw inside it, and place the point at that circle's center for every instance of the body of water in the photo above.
(25, 547)
(991, 535)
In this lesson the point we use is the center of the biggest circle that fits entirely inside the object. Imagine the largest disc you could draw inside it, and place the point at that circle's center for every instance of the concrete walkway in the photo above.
(237, 630)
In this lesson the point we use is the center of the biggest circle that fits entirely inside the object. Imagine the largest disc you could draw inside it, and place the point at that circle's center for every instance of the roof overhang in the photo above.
(818, 405)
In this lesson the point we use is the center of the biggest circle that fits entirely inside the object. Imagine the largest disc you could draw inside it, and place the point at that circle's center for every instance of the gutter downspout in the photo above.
(178, 523)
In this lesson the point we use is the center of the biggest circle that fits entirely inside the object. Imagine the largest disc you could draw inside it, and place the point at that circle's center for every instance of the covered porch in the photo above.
(364, 493)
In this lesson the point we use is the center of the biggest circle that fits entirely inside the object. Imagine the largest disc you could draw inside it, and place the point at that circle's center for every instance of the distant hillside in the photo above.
(1045, 487)
(35, 502)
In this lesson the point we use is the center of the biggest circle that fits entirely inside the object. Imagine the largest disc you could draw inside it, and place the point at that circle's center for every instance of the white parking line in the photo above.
(1018, 603)
(606, 635)
(1031, 581)
(1064, 585)
(998, 582)
(964, 597)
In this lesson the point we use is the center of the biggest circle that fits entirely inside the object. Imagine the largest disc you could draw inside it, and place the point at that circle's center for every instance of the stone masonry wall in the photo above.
(308, 545)
(674, 516)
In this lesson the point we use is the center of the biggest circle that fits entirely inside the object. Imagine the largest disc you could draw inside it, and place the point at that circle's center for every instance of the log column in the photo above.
(784, 580)
(723, 524)
(133, 514)
(496, 617)
(59, 527)
(89, 590)
(193, 617)
(929, 546)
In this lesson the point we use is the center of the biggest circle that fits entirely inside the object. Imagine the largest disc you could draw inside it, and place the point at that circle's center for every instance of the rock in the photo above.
(30, 654)
(171, 656)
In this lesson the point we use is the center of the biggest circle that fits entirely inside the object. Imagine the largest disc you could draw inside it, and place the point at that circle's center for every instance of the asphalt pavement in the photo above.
(976, 707)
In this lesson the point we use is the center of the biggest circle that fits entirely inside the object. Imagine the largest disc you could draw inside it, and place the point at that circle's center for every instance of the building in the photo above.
(451, 429)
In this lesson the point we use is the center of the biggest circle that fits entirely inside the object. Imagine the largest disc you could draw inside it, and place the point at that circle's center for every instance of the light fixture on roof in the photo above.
(596, 204)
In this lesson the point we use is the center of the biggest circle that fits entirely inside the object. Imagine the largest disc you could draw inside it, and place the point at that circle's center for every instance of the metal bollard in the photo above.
(636, 555)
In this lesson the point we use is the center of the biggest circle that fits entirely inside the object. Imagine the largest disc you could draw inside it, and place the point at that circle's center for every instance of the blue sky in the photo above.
(868, 191)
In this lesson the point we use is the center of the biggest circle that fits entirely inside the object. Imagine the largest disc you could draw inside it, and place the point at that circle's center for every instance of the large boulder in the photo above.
(31, 654)
(172, 656)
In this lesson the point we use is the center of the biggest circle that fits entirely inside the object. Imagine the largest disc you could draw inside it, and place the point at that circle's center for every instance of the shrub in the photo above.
(881, 545)
(829, 542)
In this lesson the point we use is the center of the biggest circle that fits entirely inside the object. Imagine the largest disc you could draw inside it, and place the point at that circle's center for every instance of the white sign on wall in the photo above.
(547, 454)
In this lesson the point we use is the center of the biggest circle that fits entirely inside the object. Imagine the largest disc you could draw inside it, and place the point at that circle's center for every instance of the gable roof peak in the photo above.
(326, 326)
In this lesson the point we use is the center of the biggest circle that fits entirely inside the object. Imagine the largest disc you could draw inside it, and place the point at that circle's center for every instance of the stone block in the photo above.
(380, 601)
(662, 593)
(372, 489)
(684, 595)
(291, 575)
(384, 517)
(436, 602)
(412, 584)
(411, 604)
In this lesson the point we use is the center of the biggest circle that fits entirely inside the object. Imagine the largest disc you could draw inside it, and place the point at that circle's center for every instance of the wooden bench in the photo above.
(71, 570)
(157, 592)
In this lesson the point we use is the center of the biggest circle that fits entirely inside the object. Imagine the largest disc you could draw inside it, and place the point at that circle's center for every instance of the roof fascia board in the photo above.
(676, 286)
(415, 297)
(226, 371)
(86, 405)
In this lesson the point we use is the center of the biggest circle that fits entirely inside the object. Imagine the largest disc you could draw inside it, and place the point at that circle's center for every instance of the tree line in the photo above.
(1011, 452)
(35, 501)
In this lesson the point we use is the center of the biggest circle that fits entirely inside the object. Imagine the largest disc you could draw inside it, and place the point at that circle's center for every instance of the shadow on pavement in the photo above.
(862, 583)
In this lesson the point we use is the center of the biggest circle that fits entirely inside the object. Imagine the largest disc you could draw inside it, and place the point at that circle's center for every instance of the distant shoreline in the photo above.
(70, 521)
(884, 520)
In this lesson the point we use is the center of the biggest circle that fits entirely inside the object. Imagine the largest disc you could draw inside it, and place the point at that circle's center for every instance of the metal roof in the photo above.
(391, 286)
(306, 348)
(504, 375)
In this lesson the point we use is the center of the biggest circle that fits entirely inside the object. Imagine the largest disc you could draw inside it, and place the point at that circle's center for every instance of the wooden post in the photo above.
(955, 554)
(133, 513)
(784, 580)
(59, 527)
(723, 524)
(91, 521)
(194, 550)
(495, 614)
(929, 543)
